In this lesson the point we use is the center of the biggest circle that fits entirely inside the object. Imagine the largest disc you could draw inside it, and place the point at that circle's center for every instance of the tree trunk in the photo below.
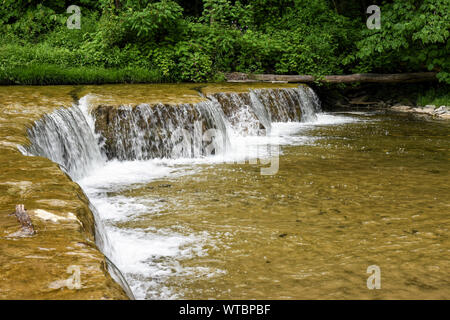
(351, 78)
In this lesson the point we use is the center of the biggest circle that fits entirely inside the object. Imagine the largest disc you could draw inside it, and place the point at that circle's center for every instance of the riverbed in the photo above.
(296, 203)
(352, 190)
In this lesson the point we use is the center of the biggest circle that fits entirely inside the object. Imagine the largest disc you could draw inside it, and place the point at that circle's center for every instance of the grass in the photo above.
(44, 64)
(435, 96)
(47, 74)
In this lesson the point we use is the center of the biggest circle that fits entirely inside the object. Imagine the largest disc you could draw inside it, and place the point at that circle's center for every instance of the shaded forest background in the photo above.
(200, 40)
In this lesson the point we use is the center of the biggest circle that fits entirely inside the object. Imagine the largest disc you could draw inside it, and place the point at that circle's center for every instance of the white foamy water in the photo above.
(150, 258)
(120, 174)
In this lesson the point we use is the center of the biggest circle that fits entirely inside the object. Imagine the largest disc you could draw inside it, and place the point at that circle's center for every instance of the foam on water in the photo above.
(149, 258)
(116, 175)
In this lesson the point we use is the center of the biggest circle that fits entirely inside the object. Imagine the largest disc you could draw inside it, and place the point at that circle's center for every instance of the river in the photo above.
(348, 190)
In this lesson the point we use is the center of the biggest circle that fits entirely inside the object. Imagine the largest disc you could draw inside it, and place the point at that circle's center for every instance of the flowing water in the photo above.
(348, 190)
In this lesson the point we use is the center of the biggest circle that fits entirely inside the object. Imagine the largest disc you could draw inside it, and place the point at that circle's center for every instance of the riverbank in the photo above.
(382, 96)
(48, 74)
(442, 112)
(48, 264)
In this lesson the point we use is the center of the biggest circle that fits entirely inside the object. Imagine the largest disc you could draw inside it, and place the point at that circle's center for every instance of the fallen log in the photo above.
(350, 78)
(25, 222)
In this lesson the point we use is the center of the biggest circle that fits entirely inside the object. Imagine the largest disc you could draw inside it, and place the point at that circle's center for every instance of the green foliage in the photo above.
(435, 96)
(160, 21)
(224, 13)
(413, 37)
(164, 59)
(15, 55)
(194, 65)
(43, 74)
(34, 23)
(181, 40)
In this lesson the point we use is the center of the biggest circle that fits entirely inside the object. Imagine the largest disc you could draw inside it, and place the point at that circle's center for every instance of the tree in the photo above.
(413, 37)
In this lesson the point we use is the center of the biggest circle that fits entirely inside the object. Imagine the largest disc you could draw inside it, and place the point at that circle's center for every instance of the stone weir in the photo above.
(51, 136)
(145, 131)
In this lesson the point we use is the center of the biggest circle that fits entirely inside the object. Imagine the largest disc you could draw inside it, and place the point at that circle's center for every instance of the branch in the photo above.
(25, 221)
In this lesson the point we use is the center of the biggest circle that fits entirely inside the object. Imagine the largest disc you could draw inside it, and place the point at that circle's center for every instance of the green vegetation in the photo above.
(199, 40)
(48, 74)
(438, 97)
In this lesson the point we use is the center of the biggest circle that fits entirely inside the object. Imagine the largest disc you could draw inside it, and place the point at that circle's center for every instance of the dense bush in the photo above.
(181, 40)
(47, 74)
(414, 37)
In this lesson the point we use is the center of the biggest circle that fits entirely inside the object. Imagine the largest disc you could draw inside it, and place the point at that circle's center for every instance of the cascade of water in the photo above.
(161, 131)
(309, 103)
(261, 111)
(66, 137)
(168, 131)
(239, 112)
(81, 142)
(279, 104)
(105, 245)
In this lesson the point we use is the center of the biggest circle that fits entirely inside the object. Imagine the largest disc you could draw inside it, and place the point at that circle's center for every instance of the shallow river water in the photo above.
(353, 189)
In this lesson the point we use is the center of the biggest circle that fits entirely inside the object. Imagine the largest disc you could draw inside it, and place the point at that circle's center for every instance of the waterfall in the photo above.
(159, 131)
(65, 136)
(309, 103)
(177, 131)
(80, 139)
(84, 141)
